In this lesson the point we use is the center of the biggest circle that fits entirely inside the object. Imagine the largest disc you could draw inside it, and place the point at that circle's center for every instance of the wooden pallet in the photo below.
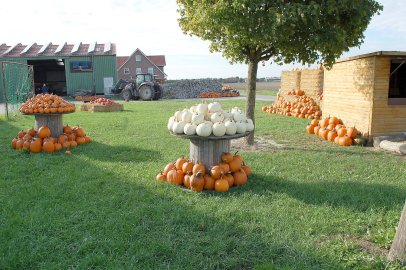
(101, 108)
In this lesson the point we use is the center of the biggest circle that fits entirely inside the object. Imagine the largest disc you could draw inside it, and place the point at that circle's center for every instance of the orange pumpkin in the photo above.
(240, 178)
(247, 169)
(175, 176)
(334, 121)
(13, 143)
(80, 140)
(197, 181)
(58, 146)
(19, 144)
(168, 167)
(199, 167)
(48, 146)
(187, 166)
(160, 177)
(67, 129)
(230, 179)
(345, 141)
(44, 132)
(186, 179)
(342, 132)
(179, 163)
(208, 182)
(224, 166)
(62, 138)
(352, 132)
(226, 157)
(221, 185)
(310, 129)
(80, 132)
(36, 146)
(331, 135)
(216, 172)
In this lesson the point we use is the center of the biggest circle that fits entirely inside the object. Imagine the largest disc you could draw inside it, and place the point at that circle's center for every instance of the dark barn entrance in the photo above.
(52, 73)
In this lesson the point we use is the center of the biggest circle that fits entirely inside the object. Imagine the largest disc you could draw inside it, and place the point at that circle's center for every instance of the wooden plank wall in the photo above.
(348, 92)
(386, 119)
(290, 80)
(311, 82)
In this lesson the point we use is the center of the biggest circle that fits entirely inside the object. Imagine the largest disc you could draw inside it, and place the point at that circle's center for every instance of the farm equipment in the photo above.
(144, 87)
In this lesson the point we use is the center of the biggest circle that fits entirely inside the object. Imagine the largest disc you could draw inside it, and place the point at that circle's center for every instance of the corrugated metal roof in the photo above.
(34, 50)
(378, 53)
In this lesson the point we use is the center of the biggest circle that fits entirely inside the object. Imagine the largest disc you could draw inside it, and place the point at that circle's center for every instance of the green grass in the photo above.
(260, 92)
(102, 208)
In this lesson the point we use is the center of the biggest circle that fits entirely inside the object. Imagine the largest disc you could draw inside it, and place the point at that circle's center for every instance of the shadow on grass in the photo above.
(89, 220)
(358, 196)
(119, 153)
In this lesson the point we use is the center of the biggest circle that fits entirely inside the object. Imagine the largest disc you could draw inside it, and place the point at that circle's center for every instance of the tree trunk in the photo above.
(398, 248)
(251, 90)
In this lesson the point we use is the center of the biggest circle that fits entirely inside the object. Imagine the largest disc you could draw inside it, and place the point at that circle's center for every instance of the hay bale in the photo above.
(290, 80)
(101, 108)
(311, 81)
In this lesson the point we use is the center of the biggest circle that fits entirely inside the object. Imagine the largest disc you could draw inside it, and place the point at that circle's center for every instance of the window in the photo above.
(126, 70)
(80, 66)
(397, 82)
(151, 70)
(138, 57)
(138, 70)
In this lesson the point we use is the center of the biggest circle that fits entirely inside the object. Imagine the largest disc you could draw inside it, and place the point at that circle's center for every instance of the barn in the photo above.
(368, 91)
(65, 67)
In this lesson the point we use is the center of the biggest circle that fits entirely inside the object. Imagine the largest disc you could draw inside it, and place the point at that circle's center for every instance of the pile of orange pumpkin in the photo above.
(226, 88)
(301, 106)
(230, 172)
(219, 95)
(42, 141)
(103, 101)
(46, 103)
(296, 92)
(333, 130)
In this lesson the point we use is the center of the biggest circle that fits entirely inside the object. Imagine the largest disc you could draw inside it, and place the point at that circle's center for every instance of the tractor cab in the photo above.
(144, 87)
(144, 77)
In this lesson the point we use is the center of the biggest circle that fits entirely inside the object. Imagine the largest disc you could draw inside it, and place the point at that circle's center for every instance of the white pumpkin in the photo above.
(217, 117)
(231, 127)
(187, 117)
(235, 110)
(202, 108)
(219, 129)
(178, 127)
(250, 125)
(193, 109)
(241, 127)
(207, 117)
(214, 107)
(239, 117)
(209, 122)
(178, 115)
(190, 129)
(203, 130)
(227, 115)
(197, 118)
(170, 122)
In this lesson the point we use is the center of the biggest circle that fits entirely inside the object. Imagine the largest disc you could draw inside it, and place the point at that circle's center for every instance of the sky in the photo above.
(152, 26)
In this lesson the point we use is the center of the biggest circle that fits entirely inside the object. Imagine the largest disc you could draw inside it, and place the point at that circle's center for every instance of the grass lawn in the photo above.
(261, 92)
(308, 205)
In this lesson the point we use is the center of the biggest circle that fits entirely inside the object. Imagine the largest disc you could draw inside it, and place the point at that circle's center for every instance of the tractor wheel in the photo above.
(146, 92)
(126, 94)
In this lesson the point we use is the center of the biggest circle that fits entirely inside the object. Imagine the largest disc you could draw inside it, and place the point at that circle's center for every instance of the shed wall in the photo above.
(386, 119)
(16, 60)
(348, 92)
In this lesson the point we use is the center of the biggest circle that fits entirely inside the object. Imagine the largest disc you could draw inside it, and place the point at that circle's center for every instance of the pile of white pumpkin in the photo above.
(205, 119)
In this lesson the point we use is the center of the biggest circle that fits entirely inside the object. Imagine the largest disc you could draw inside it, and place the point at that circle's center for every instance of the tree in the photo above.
(283, 31)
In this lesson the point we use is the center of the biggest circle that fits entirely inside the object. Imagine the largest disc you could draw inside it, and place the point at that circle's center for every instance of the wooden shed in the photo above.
(368, 91)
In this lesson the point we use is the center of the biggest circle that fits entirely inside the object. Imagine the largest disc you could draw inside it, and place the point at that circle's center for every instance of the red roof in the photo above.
(121, 60)
(158, 60)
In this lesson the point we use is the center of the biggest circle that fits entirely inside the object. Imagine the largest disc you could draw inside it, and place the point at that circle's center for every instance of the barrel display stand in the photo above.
(208, 150)
(52, 120)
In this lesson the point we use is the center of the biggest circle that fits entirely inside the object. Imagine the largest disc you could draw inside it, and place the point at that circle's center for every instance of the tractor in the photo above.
(144, 87)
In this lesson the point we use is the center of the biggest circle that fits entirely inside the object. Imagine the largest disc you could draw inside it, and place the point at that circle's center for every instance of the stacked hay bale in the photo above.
(311, 81)
(290, 80)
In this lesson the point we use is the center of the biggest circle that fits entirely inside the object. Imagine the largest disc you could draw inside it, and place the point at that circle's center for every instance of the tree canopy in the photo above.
(304, 31)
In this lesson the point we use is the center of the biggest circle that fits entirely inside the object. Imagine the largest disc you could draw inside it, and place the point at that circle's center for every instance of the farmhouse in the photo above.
(129, 66)
(368, 91)
(65, 67)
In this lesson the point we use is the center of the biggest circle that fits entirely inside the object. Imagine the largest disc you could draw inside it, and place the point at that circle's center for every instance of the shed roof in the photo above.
(378, 53)
(35, 50)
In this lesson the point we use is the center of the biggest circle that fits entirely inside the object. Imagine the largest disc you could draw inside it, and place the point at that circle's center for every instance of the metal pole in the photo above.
(4, 87)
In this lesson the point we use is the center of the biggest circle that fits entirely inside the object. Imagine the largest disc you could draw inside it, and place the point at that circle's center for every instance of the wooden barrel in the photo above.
(53, 121)
(208, 152)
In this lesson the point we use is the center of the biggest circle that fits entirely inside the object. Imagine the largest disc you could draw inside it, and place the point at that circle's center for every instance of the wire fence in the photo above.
(17, 85)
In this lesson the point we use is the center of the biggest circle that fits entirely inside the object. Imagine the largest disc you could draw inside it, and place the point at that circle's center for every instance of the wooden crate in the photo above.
(101, 108)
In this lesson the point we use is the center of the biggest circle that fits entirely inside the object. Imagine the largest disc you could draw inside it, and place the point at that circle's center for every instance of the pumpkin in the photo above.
(250, 125)
(216, 172)
(334, 121)
(316, 130)
(160, 177)
(208, 182)
(190, 129)
(36, 146)
(186, 179)
(186, 117)
(179, 163)
(345, 141)
(73, 143)
(241, 127)
(323, 132)
(26, 145)
(197, 181)
(175, 176)
(13, 143)
(48, 146)
(178, 127)
(62, 138)
(80, 140)
(352, 132)
(197, 119)
(67, 129)
(221, 185)
(246, 168)
(204, 129)
(168, 167)
(199, 167)
(21, 134)
(231, 127)
(66, 144)
(314, 122)
(224, 166)
(331, 135)
(235, 164)
(187, 167)
(331, 126)
(240, 178)
(214, 107)
(44, 132)
(32, 132)
(227, 157)
(238, 157)
(230, 179)
(88, 139)
(80, 132)
(342, 132)
(170, 122)
(217, 117)
(219, 129)
(310, 129)
(336, 140)
(324, 122)
(19, 144)
(71, 136)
